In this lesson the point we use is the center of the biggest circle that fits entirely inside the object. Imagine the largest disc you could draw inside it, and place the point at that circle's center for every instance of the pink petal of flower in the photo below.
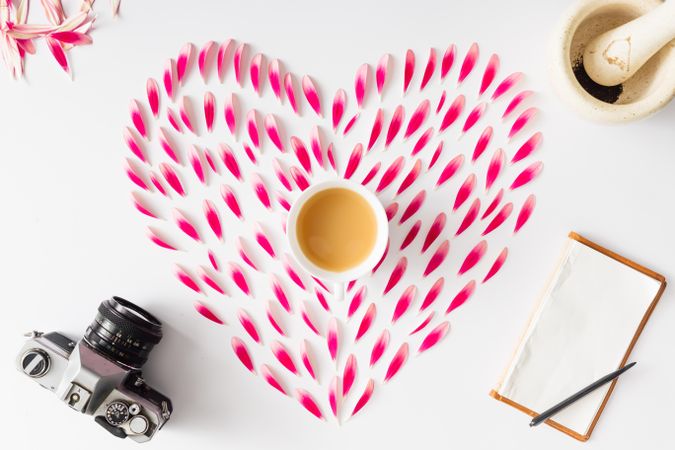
(171, 177)
(365, 397)
(185, 110)
(254, 72)
(289, 87)
(469, 62)
(222, 57)
(272, 129)
(434, 336)
(354, 160)
(213, 218)
(152, 90)
(230, 200)
(299, 178)
(527, 175)
(315, 144)
(349, 375)
(356, 301)
(501, 216)
(482, 143)
(252, 127)
(137, 118)
(396, 274)
(527, 148)
(169, 78)
(515, 102)
(422, 141)
(209, 110)
(293, 274)
(273, 320)
(281, 174)
(411, 235)
(441, 101)
(448, 60)
(395, 124)
(283, 356)
(404, 303)
(366, 321)
(248, 325)
(489, 74)
(397, 362)
(470, 217)
(184, 58)
(308, 402)
(361, 84)
(206, 312)
(523, 119)
(506, 85)
(525, 212)
(493, 204)
(271, 379)
(187, 280)
(321, 299)
(161, 242)
(453, 112)
(231, 113)
(429, 69)
(311, 94)
(230, 161)
(465, 190)
(432, 295)
(391, 210)
(408, 70)
(434, 231)
(377, 128)
(474, 116)
(473, 258)
(438, 257)
(423, 324)
(332, 339)
(384, 256)
(301, 154)
(494, 168)
(381, 72)
(390, 174)
(379, 347)
(462, 296)
(186, 226)
(204, 59)
(56, 48)
(338, 108)
(237, 275)
(274, 76)
(133, 144)
(308, 320)
(279, 293)
(499, 262)
(418, 117)
(238, 62)
(244, 254)
(306, 361)
(414, 206)
(333, 396)
(436, 155)
(196, 163)
(371, 174)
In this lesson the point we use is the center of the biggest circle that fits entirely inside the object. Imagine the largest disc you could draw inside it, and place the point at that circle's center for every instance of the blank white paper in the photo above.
(580, 332)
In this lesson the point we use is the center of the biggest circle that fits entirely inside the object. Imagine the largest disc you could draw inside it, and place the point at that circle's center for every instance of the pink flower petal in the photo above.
(349, 375)
(283, 356)
(462, 296)
(414, 206)
(527, 175)
(523, 119)
(390, 174)
(468, 63)
(354, 160)
(222, 57)
(395, 124)
(230, 200)
(397, 362)
(381, 72)
(183, 61)
(365, 397)
(204, 59)
(438, 257)
(448, 60)
(271, 379)
(434, 336)
(528, 147)
(308, 402)
(332, 339)
(525, 212)
(408, 70)
(311, 94)
(357, 298)
(489, 74)
(411, 235)
(361, 84)
(418, 117)
(274, 76)
(515, 102)
(453, 112)
(377, 128)
(432, 294)
(482, 143)
(429, 69)
(209, 110)
(366, 321)
(506, 85)
(206, 312)
(434, 231)
(152, 90)
(499, 262)
(379, 347)
(473, 258)
(465, 190)
(470, 217)
(396, 274)
(495, 168)
(404, 303)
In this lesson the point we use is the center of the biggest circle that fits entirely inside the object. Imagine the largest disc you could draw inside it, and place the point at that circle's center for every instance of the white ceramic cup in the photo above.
(368, 263)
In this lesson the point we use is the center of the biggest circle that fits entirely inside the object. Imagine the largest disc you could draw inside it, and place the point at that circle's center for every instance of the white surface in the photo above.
(586, 320)
(70, 237)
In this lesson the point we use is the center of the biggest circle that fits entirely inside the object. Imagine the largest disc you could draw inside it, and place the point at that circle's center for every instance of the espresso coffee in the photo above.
(336, 229)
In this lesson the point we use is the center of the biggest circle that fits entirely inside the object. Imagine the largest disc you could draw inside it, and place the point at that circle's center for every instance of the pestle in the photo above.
(616, 55)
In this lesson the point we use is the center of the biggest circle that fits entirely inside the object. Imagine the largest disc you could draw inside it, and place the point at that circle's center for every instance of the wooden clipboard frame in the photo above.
(658, 277)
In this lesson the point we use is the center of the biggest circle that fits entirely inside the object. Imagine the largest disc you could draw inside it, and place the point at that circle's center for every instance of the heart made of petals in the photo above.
(224, 141)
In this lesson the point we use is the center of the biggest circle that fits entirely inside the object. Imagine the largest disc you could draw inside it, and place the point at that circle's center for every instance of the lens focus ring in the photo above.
(124, 332)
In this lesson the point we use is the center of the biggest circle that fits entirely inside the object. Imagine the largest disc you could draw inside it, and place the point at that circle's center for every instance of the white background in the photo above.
(69, 237)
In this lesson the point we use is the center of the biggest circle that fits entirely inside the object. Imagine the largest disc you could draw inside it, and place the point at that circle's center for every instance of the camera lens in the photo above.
(124, 332)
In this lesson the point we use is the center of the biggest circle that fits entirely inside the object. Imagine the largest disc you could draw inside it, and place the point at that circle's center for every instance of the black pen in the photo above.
(582, 393)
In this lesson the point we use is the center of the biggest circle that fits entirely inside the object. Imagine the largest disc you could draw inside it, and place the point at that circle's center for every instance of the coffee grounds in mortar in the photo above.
(607, 94)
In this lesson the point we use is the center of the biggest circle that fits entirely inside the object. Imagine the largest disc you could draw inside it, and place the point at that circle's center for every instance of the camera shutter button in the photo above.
(35, 363)
(138, 424)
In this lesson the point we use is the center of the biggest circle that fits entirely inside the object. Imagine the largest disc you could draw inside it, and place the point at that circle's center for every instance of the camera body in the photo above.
(100, 375)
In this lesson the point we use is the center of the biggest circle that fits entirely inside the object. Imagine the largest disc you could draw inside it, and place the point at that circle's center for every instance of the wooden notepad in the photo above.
(589, 317)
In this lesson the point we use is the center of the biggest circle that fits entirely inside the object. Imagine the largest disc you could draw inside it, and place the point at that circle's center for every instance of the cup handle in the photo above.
(339, 289)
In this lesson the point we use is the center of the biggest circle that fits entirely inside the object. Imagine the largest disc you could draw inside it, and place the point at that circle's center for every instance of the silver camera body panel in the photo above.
(90, 383)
